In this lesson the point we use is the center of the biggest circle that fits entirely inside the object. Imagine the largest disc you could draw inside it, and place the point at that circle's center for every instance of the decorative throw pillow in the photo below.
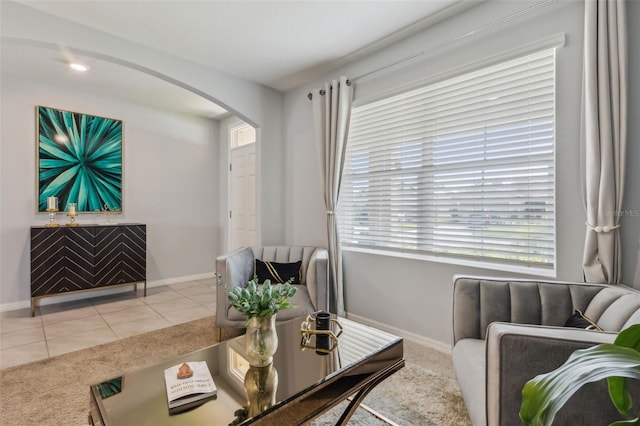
(580, 320)
(278, 272)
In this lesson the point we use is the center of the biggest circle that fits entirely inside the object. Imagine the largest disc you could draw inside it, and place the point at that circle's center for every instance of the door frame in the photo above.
(232, 125)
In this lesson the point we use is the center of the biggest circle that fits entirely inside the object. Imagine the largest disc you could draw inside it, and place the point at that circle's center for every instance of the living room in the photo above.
(174, 165)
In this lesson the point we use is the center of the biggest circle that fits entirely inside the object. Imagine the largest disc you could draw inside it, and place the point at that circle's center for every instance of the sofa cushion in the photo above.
(579, 320)
(278, 272)
(286, 254)
(613, 307)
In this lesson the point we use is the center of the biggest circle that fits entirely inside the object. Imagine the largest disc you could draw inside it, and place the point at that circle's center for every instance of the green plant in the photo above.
(544, 395)
(257, 300)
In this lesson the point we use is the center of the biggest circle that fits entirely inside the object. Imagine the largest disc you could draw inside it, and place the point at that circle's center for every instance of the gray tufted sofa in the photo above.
(238, 266)
(506, 332)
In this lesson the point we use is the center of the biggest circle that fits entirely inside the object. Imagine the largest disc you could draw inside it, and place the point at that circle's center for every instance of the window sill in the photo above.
(491, 266)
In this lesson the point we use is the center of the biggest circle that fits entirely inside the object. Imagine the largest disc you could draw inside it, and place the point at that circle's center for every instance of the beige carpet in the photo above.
(56, 391)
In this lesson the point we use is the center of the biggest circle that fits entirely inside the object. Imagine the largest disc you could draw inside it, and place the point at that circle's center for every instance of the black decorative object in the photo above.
(326, 340)
(323, 322)
(278, 272)
(580, 320)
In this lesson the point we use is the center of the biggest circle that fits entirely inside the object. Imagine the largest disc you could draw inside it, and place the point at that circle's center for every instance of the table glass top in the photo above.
(139, 397)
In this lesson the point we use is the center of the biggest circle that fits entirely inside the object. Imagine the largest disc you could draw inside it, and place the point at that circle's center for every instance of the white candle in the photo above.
(52, 203)
(72, 209)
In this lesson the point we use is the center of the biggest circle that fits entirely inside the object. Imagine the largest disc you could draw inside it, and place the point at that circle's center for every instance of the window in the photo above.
(242, 135)
(461, 169)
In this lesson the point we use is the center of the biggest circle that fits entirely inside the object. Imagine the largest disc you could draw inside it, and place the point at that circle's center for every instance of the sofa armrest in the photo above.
(236, 269)
(518, 353)
(317, 281)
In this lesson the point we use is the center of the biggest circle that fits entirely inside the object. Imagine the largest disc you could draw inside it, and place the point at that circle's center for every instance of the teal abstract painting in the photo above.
(79, 160)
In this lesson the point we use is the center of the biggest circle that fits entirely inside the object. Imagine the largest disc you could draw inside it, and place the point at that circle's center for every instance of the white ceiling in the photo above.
(280, 44)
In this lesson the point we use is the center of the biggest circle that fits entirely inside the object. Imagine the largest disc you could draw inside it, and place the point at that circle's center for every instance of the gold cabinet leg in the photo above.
(33, 306)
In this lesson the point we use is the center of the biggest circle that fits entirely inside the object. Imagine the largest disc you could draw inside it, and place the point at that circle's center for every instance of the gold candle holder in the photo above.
(322, 346)
(52, 218)
(107, 212)
(72, 213)
(52, 208)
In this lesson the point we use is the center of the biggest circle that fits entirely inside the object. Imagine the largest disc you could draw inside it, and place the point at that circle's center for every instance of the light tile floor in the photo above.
(70, 326)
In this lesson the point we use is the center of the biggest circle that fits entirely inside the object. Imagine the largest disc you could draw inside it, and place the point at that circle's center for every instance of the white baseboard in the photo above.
(184, 279)
(425, 341)
(23, 304)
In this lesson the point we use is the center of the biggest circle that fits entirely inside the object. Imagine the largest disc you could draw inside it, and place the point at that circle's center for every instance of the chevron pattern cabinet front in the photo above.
(86, 257)
(120, 254)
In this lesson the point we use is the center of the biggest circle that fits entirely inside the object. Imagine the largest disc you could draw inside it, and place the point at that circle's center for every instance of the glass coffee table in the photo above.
(300, 385)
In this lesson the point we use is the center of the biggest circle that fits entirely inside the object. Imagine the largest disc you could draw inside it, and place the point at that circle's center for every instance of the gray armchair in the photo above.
(505, 332)
(238, 267)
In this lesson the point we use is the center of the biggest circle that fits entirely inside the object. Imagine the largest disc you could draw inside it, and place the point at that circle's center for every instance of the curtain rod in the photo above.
(323, 92)
(453, 40)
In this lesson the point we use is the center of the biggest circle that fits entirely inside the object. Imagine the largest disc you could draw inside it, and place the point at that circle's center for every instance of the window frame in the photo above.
(552, 42)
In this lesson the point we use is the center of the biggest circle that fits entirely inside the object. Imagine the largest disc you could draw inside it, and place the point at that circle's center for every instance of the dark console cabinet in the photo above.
(86, 257)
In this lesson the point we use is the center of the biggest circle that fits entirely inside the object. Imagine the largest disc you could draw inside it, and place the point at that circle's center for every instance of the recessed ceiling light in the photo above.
(78, 67)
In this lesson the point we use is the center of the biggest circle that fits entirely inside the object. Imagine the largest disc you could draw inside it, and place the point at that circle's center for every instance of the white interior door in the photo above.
(242, 188)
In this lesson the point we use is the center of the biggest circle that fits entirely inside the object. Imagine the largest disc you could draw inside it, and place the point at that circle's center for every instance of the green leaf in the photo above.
(292, 292)
(627, 338)
(544, 395)
(257, 300)
(252, 286)
(267, 291)
(619, 395)
(244, 293)
(220, 280)
(632, 422)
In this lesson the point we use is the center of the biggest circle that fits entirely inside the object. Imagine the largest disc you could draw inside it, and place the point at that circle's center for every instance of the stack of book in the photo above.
(188, 385)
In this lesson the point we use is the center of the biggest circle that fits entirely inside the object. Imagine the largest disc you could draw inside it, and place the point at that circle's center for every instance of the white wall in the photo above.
(170, 174)
(416, 295)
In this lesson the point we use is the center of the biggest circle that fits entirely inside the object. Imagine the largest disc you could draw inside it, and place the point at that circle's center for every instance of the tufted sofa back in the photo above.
(538, 302)
(238, 266)
(615, 308)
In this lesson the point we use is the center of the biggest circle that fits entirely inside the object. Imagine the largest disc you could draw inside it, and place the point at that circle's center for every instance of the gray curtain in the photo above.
(331, 116)
(604, 136)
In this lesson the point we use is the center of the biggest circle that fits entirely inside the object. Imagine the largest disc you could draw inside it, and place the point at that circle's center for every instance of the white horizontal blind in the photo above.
(463, 167)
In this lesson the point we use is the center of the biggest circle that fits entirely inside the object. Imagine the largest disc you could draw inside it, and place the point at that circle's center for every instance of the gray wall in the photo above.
(631, 220)
(169, 174)
(415, 295)
(160, 161)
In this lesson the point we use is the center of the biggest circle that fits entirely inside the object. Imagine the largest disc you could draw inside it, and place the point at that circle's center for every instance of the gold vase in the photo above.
(260, 385)
(261, 341)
